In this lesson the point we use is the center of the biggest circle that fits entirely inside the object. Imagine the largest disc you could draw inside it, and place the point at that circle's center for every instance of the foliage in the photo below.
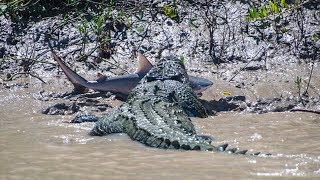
(171, 11)
(182, 59)
(102, 24)
(315, 38)
(264, 12)
(272, 8)
(298, 83)
(18, 9)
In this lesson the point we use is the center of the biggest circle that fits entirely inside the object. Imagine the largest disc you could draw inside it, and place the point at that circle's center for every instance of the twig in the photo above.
(305, 110)
(240, 71)
(244, 67)
(31, 59)
(26, 73)
(311, 72)
(109, 63)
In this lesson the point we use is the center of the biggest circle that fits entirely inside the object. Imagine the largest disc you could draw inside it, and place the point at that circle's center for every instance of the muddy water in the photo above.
(36, 146)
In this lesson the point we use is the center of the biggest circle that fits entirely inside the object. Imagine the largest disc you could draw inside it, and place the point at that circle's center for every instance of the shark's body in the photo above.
(122, 85)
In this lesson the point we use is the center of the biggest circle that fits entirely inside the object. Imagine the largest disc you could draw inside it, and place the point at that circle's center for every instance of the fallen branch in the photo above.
(18, 75)
(305, 110)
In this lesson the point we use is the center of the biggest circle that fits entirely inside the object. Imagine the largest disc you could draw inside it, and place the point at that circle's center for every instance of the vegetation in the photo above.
(171, 11)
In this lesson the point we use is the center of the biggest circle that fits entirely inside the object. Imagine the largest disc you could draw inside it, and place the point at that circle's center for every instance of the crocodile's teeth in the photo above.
(233, 150)
(241, 152)
(222, 147)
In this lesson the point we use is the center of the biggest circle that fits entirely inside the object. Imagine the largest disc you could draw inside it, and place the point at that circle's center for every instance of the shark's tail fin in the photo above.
(78, 82)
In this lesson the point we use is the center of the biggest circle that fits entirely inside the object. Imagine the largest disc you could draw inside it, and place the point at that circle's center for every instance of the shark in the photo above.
(123, 84)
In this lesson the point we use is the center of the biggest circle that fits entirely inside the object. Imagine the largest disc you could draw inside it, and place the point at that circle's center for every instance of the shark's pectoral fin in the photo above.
(101, 78)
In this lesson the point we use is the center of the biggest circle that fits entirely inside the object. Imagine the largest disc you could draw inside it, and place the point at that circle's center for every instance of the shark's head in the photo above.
(199, 84)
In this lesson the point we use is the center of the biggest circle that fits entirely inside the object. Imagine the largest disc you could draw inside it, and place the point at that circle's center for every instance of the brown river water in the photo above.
(37, 146)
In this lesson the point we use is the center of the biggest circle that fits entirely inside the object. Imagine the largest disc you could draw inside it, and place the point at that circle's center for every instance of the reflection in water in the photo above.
(37, 146)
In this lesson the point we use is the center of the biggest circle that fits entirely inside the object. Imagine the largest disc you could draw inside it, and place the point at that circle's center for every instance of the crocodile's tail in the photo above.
(177, 141)
(223, 148)
(169, 141)
(187, 143)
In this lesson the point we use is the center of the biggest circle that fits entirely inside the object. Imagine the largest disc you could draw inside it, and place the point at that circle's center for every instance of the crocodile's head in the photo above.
(169, 67)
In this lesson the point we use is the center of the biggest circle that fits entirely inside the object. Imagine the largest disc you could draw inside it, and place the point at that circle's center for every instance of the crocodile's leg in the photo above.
(111, 123)
(84, 118)
(187, 99)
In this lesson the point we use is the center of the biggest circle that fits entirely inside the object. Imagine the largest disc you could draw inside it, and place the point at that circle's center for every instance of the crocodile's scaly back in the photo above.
(157, 111)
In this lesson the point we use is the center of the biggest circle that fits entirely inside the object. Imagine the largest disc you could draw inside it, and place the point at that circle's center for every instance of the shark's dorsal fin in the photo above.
(144, 64)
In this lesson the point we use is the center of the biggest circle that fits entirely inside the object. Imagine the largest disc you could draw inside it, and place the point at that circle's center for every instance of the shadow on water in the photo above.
(224, 104)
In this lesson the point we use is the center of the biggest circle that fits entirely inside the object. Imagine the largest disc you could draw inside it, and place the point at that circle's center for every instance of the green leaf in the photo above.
(173, 16)
(284, 30)
(273, 7)
(315, 38)
(140, 29)
(182, 59)
(128, 22)
(248, 18)
(106, 40)
(100, 22)
(284, 4)
(70, 2)
(298, 82)
(140, 15)
(170, 12)
(253, 14)
(263, 12)
(190, 22)
(166, 9)
(264, 24)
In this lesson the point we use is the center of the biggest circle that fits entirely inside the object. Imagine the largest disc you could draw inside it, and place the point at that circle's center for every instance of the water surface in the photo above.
(36, 146)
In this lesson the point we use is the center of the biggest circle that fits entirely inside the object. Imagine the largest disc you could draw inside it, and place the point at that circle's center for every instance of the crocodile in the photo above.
(121, 85)
(157, 112)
